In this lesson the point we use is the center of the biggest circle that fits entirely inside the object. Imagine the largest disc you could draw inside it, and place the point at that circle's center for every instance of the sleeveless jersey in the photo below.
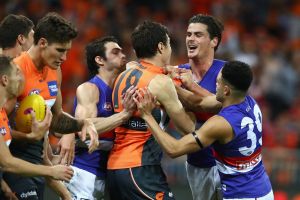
(134, 144)
(4, 127)
(240, 162)
(204, 158)
(43, 83)
(96, 162)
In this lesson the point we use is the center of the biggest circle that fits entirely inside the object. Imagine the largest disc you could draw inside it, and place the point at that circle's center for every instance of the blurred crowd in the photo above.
(262, 33)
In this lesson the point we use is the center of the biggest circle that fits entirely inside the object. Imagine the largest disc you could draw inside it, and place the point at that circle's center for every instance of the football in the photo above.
(23, 117)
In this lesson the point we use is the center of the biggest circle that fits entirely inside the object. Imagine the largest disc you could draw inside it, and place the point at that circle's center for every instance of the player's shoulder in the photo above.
(87, 90)
(161, 84)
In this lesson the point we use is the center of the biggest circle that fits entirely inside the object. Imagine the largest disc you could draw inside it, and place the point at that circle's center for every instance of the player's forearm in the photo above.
(198, 90)
(59, 188)
(64, 123)
(30, 137)
(188, 98)
(18, 166)
(167, 142)
(104, 124)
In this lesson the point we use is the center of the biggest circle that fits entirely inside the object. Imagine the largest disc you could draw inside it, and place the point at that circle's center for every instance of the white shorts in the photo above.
(85, 185)
(269, 196)
(204, 182)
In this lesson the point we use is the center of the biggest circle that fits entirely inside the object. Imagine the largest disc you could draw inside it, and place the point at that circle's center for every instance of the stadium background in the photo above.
(263, 33)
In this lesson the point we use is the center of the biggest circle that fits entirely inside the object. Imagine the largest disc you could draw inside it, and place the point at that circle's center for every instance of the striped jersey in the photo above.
(240, 161)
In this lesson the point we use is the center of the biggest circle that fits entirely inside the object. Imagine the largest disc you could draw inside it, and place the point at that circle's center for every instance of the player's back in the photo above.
(239, 161)
(43, 83)
(134, 145)
(96, 162)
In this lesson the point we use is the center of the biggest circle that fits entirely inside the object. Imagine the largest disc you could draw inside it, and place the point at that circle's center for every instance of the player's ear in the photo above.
(99, 60)
(160, 47)
(21, 39)
(4, 80)
(43, 43)
(214, 42)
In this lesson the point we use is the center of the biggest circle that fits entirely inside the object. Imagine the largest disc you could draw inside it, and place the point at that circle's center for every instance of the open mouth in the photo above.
(192, 48)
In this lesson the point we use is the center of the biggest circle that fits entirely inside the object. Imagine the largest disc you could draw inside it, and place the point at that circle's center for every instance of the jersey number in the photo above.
(132, 79)
(247, 121)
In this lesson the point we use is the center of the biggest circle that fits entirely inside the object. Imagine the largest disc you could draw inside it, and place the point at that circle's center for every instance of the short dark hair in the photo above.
(5, 65)
(146, 36)
(55, 29)
(96, 48)
(214, 26)
(11, 27)
(237, 74)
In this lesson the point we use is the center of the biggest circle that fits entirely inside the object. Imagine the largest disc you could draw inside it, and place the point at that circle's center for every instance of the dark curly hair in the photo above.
(11, 27)
(96, 48)
(237, 74)
(55, 29)
(214, 26)
(146, 37)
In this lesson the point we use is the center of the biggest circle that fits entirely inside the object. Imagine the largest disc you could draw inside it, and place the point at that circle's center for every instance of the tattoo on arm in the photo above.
(64, 124)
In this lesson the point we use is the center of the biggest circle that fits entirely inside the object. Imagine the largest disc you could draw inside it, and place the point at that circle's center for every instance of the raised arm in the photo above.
(163, 88)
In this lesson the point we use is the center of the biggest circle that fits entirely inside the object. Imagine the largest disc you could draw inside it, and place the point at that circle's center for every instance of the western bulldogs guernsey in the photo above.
(96, 162)
(240, 162)
(204, 158)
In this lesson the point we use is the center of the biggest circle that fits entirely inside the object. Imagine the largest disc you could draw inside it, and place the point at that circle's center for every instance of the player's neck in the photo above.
(12, 52)
(34, 54)
(233, 101)
(3, 98)
(108, 77)
(155, 61)
(200, 66)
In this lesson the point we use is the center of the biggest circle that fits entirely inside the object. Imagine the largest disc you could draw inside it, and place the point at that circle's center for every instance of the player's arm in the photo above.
(216, 128)
(104, 124)
(163, 88)
(64, 123)
(192, 96)
(14, 165)
(59, 188)
(198, 102)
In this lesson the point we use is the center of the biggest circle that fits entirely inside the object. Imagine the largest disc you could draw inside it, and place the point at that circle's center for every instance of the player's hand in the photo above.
(90, 129)
(7, 193)
(145, 101)
(62, 172)
(186, 77)
(66, 149)
(39, 128)
(127, 100)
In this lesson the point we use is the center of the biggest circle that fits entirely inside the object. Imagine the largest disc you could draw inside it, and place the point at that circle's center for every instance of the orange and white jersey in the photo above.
(4, 127)
(42, 82)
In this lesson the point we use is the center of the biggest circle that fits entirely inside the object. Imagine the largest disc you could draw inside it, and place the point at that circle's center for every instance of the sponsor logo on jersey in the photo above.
(3, 131)
(251, 163)
(107, 106)
(53, 89)
(24, 195)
